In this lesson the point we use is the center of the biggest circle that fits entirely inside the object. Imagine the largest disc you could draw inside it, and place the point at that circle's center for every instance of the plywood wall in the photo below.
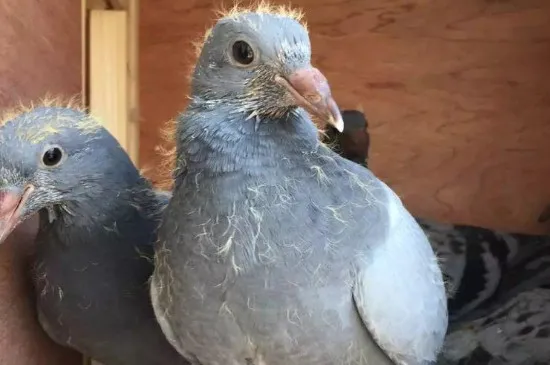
(39, 53)
(39, 49)
(457, 94)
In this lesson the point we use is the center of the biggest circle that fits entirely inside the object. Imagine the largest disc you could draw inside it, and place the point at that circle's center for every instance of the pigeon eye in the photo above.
(52, 156)
(242, 53)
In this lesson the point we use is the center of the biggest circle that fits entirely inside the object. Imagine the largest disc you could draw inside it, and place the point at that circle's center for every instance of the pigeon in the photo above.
(94, 248)
(515, 333)
(274, 249)
(480, 265)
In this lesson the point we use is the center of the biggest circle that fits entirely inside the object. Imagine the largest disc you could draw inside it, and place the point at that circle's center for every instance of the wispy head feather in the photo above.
(259, 7)
(167, 151)
(87, 125)
(73, 102)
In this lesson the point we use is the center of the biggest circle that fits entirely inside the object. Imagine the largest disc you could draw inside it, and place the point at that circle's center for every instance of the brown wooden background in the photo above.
(39, 54)
(457, 94)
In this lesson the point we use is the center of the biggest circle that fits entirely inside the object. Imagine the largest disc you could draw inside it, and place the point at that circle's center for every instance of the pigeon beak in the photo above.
(311, 91)
(12, 204)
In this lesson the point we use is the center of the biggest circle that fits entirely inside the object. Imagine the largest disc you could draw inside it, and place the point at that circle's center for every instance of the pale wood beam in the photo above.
(108, 80)
(111, 47)
(110, 71)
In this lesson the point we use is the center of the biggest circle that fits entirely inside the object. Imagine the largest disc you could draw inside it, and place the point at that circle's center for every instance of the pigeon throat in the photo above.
(113, 205)
(225, 139)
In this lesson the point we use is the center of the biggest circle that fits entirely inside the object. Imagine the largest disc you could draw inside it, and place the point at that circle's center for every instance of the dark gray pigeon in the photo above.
(98, 220)
(482, 267)
(354, 141)
(274, 249)
(517, 332)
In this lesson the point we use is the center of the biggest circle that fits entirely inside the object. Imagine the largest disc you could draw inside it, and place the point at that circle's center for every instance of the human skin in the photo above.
(22, 340)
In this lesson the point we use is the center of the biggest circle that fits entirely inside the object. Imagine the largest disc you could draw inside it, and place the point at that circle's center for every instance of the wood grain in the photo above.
(108, 82)
(457, 94)
(132, 8)
(39, 53)
(40, 49)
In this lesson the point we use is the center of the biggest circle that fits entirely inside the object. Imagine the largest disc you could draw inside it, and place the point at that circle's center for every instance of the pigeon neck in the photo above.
(99, 215)
(223, 139)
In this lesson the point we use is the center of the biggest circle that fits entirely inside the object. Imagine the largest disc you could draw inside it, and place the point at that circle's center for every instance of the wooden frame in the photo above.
(110, 71)
(110, 67)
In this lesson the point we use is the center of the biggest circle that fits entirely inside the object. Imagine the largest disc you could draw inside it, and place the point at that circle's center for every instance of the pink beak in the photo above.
(12, 203)
(311, 90)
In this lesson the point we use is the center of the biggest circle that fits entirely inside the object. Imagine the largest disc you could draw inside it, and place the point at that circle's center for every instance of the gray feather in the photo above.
(274, 249)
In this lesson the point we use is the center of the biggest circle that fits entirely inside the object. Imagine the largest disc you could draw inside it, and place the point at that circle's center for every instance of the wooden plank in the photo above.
(132, 7)
(84, 50)
(108, 62)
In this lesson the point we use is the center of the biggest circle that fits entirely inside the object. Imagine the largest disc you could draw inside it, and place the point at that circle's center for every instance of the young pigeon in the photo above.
(98, 220)
(274, 249)
(481, 265)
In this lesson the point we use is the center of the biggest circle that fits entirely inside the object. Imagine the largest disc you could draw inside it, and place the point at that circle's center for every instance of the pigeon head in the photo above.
(45, 164)
(259, 61)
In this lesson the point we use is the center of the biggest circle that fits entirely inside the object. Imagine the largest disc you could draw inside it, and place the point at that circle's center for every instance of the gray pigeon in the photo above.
(98, 220)
(482, 266)
(274, 249)
(515, 333)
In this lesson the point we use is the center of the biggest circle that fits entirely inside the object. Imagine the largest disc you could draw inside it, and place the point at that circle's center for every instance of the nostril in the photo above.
(314, 98)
